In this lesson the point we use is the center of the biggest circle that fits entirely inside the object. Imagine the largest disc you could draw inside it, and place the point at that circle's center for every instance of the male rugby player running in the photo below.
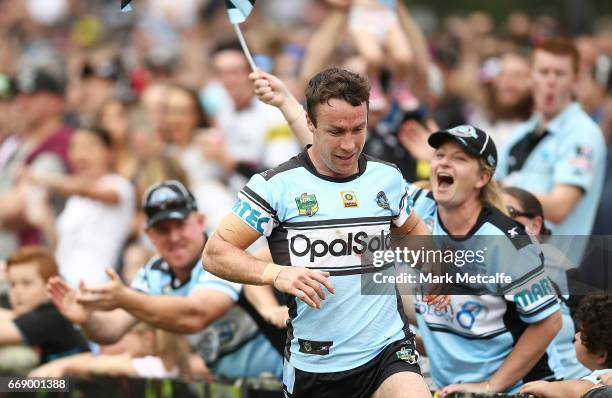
(316, 210)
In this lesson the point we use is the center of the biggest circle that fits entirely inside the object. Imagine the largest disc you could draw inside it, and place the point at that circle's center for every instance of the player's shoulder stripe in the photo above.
(376, 160)
(253, 196)
(499, 222)
(293, 163)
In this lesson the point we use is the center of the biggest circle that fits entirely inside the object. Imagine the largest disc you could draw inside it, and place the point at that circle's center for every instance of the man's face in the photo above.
(37, 107)
(513, 82)
(554, 82)
(27, 288)
(338, 137)
(179, 242)
(232, 70)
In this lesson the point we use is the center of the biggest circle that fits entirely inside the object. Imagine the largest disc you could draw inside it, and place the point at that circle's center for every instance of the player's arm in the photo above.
(225, 256)
(560, 202)
(413, 226)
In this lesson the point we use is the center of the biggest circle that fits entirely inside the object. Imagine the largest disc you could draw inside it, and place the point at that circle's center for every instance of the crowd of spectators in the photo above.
(97, 106)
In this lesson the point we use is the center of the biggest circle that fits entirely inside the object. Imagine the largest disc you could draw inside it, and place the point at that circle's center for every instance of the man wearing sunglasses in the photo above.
(173, 292)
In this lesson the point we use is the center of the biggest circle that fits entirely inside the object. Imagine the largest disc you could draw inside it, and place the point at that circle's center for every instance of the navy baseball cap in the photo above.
(169, 200)
(31, 81)
(475, 142)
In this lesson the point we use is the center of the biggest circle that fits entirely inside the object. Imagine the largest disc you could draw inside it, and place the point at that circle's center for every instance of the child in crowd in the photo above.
(593, 349)
(33, 320)
(379, 38)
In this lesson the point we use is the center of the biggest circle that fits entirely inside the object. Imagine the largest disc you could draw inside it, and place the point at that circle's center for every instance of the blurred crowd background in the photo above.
(170, 86)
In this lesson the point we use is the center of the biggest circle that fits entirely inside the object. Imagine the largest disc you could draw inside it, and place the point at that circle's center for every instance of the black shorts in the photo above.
(361, 382)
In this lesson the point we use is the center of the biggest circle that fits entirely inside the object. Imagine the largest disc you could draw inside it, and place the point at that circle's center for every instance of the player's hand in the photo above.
(440, 301)
(269, 88)
(277, 316)
(64, 298)
(104, 297)
(305, 284)
(465, 387)
(538, 388)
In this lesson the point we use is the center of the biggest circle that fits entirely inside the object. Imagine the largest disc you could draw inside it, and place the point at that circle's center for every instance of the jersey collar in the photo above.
(307, 162)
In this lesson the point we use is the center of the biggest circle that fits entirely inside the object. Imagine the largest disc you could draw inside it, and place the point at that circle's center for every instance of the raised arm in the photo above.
(177, 314)
(101, 327)
(422, 58)
(272, 91)
(323, 42)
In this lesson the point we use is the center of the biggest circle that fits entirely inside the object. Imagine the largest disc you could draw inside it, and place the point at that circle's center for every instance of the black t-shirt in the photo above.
(47, 329)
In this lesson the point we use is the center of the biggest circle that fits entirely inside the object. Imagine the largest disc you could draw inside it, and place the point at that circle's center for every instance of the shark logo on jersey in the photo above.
(464, 131)
(513, 232)
(349, 199)
(382, 201)
(407, 355)
(307, 204)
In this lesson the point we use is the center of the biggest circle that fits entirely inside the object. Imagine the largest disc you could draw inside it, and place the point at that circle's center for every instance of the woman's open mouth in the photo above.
(445, 180)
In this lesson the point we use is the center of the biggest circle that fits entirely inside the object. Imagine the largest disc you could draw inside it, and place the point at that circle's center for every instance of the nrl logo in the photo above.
(407, 355)
(307, 204)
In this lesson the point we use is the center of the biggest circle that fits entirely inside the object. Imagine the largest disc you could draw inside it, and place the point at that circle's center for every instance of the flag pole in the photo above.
(244, 46)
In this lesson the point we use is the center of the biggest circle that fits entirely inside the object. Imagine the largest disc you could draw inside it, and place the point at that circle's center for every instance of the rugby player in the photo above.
(316, 211)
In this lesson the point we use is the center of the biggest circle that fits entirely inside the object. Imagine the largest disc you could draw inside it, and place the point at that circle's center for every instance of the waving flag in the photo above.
(239, 10)
(125, 5)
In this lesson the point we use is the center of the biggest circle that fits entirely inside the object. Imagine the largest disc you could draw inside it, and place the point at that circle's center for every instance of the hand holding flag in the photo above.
(238, 11)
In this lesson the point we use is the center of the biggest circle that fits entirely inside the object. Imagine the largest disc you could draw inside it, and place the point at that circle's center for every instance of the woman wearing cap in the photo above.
(489, 338)
(525, 208)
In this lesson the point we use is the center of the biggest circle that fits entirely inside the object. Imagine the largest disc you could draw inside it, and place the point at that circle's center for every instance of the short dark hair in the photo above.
(336, 83)
(530, 204)
(101, 134)
(560, 46)
(226, 44)
(593, 319)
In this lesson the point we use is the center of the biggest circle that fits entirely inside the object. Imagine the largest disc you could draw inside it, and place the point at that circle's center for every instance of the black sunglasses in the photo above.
(165, 199)
(514, 213)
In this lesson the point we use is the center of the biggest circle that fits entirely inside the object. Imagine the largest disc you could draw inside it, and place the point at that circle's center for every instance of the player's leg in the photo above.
(403, 385)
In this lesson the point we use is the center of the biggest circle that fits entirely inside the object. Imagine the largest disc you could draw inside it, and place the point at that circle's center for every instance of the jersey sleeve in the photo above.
(402, 208)
(255, 206)
(529, 288)
(206, 280)
(577, 162)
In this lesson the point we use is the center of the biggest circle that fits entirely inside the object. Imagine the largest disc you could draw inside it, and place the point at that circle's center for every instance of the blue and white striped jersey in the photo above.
(326, 223)
(470, 339)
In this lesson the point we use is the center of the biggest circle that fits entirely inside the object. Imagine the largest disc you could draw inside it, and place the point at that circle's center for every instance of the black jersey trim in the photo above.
(293, 163)
(337, 222)
(304, 158)
(261, 202)
(484, 336)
